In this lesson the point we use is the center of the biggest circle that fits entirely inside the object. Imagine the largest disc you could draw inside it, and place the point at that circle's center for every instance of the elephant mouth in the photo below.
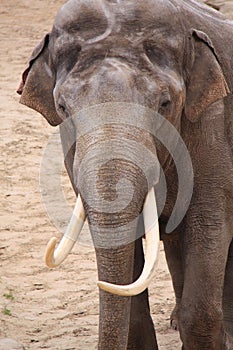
(55, 256)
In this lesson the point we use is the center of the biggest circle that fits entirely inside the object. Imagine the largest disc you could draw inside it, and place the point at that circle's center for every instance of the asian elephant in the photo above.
(123, 78)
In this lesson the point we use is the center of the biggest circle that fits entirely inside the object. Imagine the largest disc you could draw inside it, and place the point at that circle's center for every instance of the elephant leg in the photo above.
(228, 294)
(141, 332)
(201, 313)
(173, 253)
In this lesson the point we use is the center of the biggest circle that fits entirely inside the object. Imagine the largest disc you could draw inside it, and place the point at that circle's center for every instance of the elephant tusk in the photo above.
(150, 216)
(54, 257)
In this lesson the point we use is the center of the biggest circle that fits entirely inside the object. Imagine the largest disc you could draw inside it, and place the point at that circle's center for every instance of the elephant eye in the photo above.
(68, 56)
(165, 103)
(62, 110)
(148, 51)
(155, 55)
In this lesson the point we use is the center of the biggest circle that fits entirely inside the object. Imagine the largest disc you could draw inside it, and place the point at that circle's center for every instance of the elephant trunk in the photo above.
(113, 190)
(115, 266)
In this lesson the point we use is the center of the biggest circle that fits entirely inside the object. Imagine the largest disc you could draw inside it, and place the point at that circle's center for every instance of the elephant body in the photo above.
(108, 59)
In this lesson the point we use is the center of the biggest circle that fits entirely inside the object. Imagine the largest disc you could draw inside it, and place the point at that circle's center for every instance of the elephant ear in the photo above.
(38, 81)
(206, 83)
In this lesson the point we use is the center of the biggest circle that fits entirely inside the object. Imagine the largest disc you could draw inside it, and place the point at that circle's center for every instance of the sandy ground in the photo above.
(42, 308)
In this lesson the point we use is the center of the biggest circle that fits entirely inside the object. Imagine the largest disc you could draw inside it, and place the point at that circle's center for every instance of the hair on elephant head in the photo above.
(142, 94)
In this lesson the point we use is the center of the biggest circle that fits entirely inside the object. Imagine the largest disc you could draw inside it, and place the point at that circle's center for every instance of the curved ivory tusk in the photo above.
(150, 216)
(54, 257)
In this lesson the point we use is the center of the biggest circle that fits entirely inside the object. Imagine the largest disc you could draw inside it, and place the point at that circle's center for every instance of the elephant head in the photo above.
(119, 78)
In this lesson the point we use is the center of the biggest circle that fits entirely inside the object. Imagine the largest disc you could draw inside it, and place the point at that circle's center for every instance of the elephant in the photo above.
(142, 93)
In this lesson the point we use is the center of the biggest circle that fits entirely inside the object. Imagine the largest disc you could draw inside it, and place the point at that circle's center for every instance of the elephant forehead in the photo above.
(90, 18)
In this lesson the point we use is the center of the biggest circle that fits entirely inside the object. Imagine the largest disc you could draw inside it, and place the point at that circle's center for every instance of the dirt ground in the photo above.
(43, 308)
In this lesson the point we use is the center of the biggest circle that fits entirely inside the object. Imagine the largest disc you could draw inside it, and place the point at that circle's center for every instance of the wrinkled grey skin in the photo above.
(174, 57)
